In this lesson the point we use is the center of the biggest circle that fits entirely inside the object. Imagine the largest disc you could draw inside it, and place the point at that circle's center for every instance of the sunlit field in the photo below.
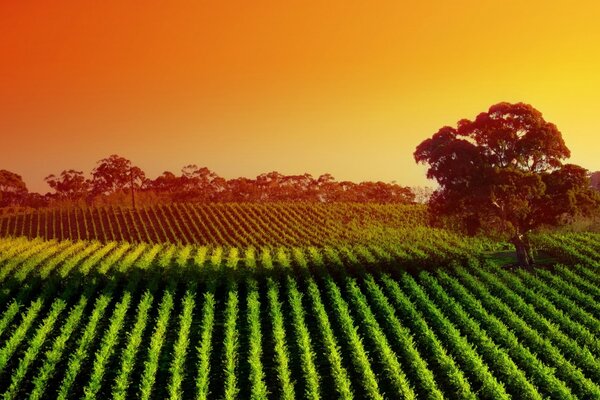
(312, 200)
(430, 316)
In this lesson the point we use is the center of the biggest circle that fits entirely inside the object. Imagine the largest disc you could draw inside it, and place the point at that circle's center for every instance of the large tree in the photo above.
(503, 172)
(198, 183)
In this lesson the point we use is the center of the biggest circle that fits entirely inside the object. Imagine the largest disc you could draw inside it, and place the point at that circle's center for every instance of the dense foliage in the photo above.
(13, 190)
(504, 173)
(296, 322)
(116, 181)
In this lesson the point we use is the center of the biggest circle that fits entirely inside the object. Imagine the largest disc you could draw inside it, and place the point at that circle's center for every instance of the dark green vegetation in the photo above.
(505, 173)
(91, 320)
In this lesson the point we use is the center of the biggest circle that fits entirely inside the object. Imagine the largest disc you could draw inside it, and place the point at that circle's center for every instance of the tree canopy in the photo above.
(12, 188)
(69, 185)
(115, 173)
(504, 172)
(112, 179)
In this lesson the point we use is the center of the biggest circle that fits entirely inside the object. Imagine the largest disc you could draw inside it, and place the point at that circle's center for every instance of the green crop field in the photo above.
(271, 304)
(233, 224)
(329, 200)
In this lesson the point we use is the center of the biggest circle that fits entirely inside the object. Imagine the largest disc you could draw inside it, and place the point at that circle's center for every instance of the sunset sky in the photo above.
(345, 87)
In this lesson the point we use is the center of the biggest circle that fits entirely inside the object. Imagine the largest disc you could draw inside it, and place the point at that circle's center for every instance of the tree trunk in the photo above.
(523, 250)
(529, 250)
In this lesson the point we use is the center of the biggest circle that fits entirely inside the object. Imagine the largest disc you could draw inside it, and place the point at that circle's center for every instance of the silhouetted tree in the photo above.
(168, 183)
(115, 178)
(327, 187)
(504, 172)
(269, 184)
(69, 185)
(198, 183)
(241, 189)
(381, 192)
(219, 187)
(13, 190)
(116, 173)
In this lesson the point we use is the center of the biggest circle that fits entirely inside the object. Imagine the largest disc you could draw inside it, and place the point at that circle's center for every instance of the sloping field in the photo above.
(91, 320)
(226, 224)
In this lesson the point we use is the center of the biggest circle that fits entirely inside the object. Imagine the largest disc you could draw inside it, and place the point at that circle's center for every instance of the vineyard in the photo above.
(107, 319)
(232, 224)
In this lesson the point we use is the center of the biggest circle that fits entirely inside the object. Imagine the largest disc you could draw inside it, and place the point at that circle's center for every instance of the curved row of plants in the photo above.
(73, 316)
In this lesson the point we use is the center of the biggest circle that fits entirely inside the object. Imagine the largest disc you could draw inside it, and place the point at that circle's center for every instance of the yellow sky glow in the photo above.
(344, 87)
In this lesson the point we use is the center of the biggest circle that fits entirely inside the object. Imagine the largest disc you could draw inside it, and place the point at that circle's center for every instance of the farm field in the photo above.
(431, 317)
(299, 200)
(227, 224)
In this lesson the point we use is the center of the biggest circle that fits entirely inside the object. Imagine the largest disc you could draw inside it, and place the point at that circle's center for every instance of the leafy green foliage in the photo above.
(297, 322)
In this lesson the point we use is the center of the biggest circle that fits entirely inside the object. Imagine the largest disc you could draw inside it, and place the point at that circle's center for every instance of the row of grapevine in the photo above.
(517, 330)
(243, 224)
(302, 322)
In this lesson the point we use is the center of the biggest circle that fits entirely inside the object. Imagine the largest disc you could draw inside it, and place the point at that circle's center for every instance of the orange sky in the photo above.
(346, 87)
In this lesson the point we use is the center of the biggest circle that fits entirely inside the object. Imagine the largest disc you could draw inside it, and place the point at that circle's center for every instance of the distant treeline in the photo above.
(115, 180)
